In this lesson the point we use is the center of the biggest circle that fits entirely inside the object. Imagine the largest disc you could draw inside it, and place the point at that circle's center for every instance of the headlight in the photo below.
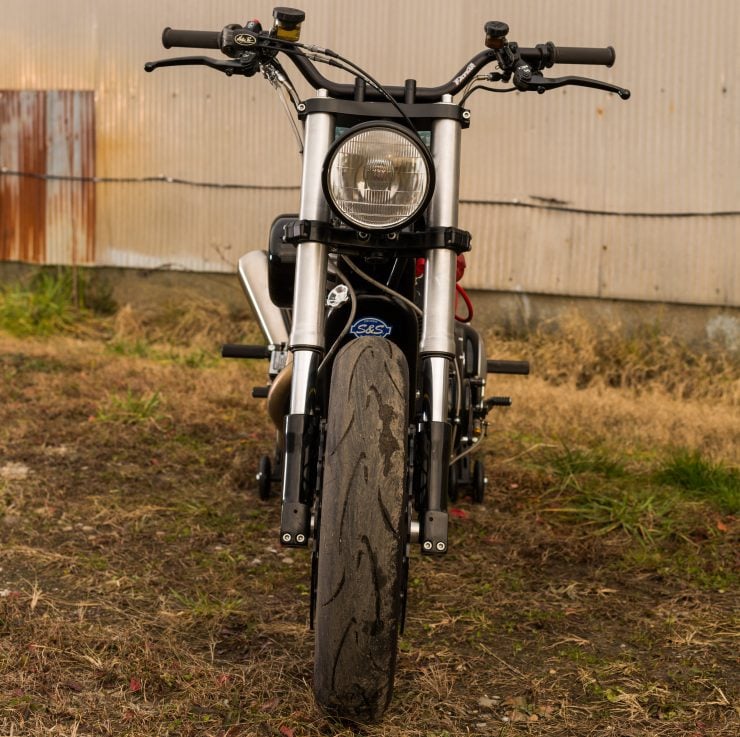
(378, 177)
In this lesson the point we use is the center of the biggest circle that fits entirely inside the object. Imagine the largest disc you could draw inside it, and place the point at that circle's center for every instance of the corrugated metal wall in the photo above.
(47, 207)
(673, 149)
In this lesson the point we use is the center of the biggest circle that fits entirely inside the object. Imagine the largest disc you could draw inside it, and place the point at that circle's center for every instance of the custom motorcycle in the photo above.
(376, 386)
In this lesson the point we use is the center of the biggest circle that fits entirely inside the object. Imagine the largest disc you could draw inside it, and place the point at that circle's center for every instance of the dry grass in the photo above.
(142, 590)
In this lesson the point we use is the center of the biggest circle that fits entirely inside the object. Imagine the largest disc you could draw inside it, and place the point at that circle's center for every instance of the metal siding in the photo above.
(47, 220)
(23, 199)
(673, 148)
(70, 204)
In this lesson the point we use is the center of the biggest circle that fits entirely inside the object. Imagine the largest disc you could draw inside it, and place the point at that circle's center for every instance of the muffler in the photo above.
(253, 277)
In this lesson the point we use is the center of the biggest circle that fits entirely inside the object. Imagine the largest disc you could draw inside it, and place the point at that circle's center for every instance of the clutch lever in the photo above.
(244, 66)
(526, 81)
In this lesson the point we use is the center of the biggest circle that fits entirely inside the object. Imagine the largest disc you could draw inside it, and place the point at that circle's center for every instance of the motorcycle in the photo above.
(377, 388)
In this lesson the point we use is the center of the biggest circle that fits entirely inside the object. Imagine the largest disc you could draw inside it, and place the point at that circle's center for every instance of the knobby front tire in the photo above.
(362, 532)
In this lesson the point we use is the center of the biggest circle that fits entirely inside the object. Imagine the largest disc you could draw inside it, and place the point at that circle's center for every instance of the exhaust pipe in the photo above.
(253, 278)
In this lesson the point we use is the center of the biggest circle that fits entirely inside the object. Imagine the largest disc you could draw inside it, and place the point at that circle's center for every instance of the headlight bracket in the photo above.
(397, 244)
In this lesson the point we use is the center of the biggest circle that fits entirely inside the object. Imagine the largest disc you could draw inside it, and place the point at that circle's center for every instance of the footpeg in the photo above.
(508, 367)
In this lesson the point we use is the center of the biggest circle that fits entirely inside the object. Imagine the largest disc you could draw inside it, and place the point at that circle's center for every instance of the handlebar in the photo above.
(235, 41)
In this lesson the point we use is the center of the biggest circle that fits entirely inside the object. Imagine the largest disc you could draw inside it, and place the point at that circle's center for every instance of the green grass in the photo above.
(44, 306)
(131, 408)
(702, 479)
(203, 605)
(52, 301)
(641, 514)
(568, 465)
(196, 359)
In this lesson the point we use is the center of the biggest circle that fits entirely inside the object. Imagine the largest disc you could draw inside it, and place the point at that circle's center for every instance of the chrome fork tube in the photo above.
(307, 334)
(438, 335)
(438, 329)
(306, 341)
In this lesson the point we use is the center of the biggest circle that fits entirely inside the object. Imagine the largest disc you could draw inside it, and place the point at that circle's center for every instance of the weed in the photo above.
(568, 465)
(641, 515)
(46, 305)
(140, 348)
(53, 301)
(131, 408)
(570, 462)
(203, 605)
(701, 478)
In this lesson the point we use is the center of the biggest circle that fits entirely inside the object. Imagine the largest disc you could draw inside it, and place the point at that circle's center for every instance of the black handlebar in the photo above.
(422, 94)
(191, 39)
(539, 57)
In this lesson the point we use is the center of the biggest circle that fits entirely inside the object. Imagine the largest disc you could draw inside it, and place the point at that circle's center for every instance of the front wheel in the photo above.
(363, 533)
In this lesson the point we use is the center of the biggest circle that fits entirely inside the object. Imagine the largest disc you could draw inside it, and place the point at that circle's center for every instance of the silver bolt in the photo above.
(287, 537)
(301, 107)
(300, 539)
(466, 114)
(428, 545)
(259, 476)
(485, 481)
(441, 547)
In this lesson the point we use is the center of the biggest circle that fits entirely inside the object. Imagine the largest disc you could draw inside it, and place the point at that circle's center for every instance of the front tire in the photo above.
(363, 532)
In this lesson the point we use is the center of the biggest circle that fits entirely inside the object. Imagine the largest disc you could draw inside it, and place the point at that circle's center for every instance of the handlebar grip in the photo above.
(191, 39)
(581, 55)
(234, 350)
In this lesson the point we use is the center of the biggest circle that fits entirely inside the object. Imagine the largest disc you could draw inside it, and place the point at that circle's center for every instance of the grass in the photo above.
(701, 478)
(143, 590)
(52, 301)
(640, 515)
(131, 408)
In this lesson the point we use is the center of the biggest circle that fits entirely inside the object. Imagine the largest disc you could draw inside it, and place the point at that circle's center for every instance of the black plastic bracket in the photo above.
(434, 521)
(348, 240)
(298, 484)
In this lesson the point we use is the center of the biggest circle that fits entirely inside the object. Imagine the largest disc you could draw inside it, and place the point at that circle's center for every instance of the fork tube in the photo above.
(306, 342)
(438, 335)
(307, 334)
(438, 331)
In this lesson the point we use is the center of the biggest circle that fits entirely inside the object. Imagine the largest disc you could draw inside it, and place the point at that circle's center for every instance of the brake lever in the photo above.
(537, 83)
(245, 66)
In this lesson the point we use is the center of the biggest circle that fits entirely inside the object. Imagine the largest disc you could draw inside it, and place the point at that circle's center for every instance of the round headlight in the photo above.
(378, 177)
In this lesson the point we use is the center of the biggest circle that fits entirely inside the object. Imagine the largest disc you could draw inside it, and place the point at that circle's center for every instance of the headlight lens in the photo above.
(378, 177)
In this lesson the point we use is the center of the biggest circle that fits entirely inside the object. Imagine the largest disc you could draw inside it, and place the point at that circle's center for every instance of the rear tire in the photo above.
(479, 482)
(363, 532)
(264, 478)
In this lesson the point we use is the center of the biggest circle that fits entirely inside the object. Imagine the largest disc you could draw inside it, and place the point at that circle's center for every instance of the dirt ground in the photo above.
(143, 590)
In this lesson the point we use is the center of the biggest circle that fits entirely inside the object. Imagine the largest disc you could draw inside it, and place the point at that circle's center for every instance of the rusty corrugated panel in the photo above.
(23, 198)
(70, 228)
(47, 151)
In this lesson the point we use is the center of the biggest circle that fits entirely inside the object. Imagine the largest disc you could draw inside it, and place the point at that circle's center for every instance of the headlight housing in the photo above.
(378, 177)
